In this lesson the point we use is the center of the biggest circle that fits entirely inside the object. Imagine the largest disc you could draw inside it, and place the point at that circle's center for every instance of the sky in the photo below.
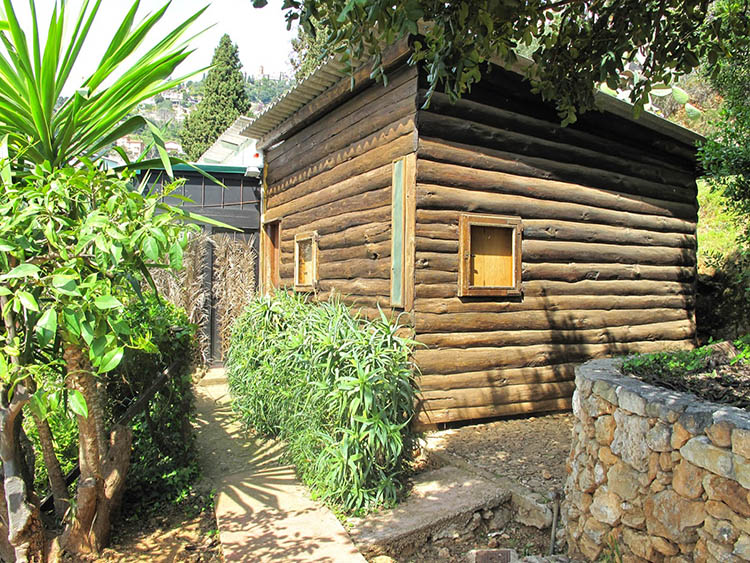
(260, 34)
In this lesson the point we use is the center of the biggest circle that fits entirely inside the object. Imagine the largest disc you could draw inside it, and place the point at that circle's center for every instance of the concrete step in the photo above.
(445, 502)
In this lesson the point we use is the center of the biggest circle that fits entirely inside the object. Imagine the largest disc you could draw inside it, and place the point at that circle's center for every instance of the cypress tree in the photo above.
(224, 99)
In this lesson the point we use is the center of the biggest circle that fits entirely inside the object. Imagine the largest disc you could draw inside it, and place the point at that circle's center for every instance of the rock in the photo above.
(721, 530)
(687, 480)
(492, 543)
(487, 555)
(386, 559)
(659, 438)
(728, 491)
(605, 391)
(720, 551)
(665, 547)
(600, 474)
(742, 547)
(487, 514)
(589, 549)
(741, 442)
(606, 456)
(586, 481)
(673, 517)
(665, 461)
(630, 440)
(531, 513)
(720, 434)
(546, 474)
(605, 430)
(701, 452)
(680, 436)
(633, 516)
(606, 507)
(623, 481)
(742, 470)
(596, 531)
(697, 418)
(631, 401)
(639, 543)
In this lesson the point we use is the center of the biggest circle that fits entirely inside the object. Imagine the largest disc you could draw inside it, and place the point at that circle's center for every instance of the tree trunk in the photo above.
(25, 530)
(103, 471)
(56, 477)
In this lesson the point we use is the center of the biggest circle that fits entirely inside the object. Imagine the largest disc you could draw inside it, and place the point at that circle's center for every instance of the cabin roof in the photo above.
(334, 71)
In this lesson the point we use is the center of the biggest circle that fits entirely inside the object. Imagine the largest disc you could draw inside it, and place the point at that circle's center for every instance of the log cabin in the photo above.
(515, 248)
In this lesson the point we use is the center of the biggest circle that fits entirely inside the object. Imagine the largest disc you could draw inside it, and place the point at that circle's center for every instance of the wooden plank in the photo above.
(410, 224)
(397, 234)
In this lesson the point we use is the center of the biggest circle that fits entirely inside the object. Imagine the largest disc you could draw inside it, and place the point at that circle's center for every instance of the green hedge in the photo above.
(337, 388)
(163, 462)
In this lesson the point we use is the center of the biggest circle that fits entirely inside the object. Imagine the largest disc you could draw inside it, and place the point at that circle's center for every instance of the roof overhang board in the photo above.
(307, 101)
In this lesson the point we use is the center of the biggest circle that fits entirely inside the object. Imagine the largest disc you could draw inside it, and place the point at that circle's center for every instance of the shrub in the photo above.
(337, 388)
(163, 460)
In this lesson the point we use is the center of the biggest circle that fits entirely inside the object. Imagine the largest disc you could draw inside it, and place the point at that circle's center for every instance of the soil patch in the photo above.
(713, 373)
(531, 451)
(176, 533)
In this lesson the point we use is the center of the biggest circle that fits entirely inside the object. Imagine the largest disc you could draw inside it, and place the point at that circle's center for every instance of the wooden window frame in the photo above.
(313, 238)
(270, 251)
(465, 222)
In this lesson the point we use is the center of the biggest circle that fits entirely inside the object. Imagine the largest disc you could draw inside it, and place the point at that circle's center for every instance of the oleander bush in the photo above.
(337, 388)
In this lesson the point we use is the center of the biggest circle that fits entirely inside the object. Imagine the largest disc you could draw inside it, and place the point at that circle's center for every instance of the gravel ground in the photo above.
(530, 451)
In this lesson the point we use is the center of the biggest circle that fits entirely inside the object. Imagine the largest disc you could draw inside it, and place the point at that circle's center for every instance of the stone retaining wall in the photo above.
(660, 474)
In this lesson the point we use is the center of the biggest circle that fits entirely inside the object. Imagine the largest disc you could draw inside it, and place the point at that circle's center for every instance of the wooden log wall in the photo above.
(609, 217)
(334, 177)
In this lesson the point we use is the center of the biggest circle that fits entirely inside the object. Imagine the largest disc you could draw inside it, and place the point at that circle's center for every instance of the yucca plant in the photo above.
(33, 77)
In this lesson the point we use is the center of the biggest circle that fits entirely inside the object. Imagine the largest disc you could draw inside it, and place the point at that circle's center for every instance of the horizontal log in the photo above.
(443, 174)
(370, 233)
(396, 140)
(369, 251)
(497, 377)
(368, 181)
(443, 255)
(550, 131)
(314, 155)
(605, 272)
(533, 288)
(357, 301)
(337, 223)
(430, 196)
(360, 202)
(568, 319)
(553, 303)
(450, 360)
(347, 115)
(490, 396)
(549, 229)
(437, 416)
(673, 330)
(357, 268)
(471, 132)
(356, 286)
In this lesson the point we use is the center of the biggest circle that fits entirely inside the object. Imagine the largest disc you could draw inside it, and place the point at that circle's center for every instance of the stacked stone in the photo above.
(655, 475)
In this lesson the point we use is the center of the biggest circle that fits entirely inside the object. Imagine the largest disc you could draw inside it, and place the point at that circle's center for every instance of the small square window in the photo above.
(305, 261)
(489, 255)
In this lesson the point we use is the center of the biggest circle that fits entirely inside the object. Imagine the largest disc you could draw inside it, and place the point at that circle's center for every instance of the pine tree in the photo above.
(224, 99)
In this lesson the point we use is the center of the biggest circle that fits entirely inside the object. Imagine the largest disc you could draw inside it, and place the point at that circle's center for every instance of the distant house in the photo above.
(173, 147)
(132, 146)
(515, 248)
(234, 148)
(173, 95)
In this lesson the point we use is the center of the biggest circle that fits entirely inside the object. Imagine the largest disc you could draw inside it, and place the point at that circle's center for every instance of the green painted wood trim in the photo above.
(397, 234)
